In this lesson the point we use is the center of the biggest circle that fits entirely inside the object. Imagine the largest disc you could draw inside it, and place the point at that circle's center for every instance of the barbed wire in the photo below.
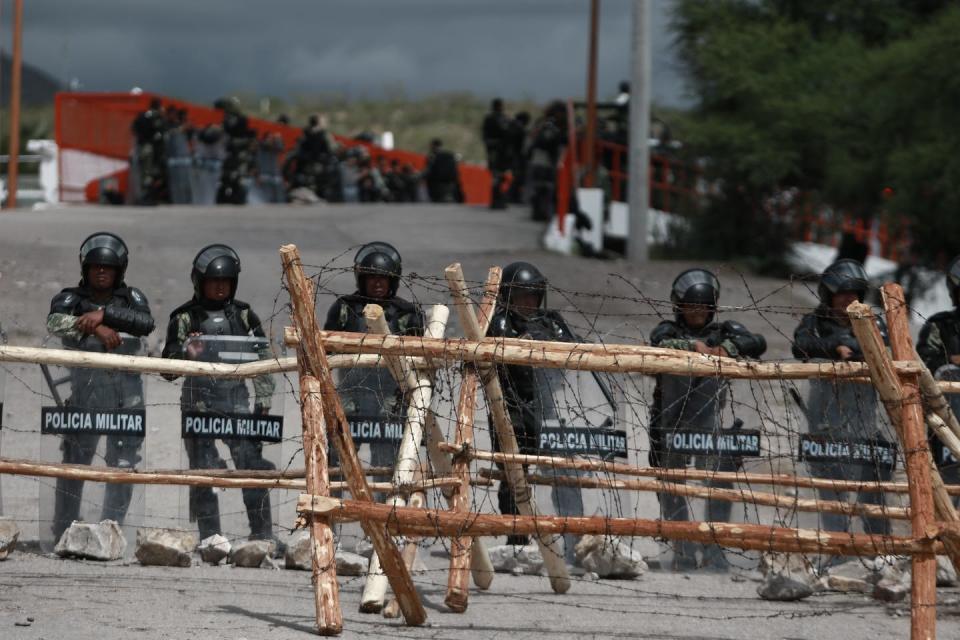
(621, 311)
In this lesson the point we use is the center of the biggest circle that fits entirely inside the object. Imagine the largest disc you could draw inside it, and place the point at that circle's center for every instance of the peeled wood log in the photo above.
(166, 366)
(933, 399)
(429, 522)
(616, 358)
(191, 478)
(742, 477)
(458, 591)
(479, 559)
(313, 358)
(904, 402)
(713, 493)
(417, 501)
(323, 553)
(419, 386)
(550, 549)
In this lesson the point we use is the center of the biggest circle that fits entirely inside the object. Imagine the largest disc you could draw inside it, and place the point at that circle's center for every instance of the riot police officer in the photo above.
(214, 310)
(547, 141)
(686, 403)
(939, 348)
(240, 145)
(522, 313)
(442, 174)
(370, 393)
(91, 317)
(496, 140)
(842, 411)
(149, 153)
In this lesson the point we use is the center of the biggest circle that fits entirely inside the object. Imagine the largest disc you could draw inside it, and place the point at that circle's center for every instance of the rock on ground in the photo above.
(214, 549)
(609, 557)
(9, 534)
(890, 590)
(786, 577)
(250, 554)
(351, 564)
(165, 547)
(364, 548)
(101, 541)
(507, 558)
(946, 573)
(843, 584)
(298, 554)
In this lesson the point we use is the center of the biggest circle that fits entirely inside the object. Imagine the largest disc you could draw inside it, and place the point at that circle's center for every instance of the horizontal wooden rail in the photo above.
(430, 522)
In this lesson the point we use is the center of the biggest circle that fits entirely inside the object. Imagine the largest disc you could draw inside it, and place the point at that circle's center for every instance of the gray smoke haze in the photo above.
(201, 49)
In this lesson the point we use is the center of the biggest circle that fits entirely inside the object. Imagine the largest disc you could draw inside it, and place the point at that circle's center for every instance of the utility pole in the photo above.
(639, 180)
(590, 141)
(13, 166)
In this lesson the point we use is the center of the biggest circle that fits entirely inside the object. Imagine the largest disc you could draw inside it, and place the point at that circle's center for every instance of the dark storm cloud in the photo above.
(201, 49)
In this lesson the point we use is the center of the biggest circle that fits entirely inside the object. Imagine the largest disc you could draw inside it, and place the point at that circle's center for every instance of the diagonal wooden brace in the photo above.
(314, 362)
(420, 387)
(550, 548)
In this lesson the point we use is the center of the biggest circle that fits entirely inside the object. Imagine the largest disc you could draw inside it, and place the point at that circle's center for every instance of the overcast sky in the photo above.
(202, 49)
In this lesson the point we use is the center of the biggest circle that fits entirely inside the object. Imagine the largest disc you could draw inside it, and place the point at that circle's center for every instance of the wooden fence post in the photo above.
(315, 363)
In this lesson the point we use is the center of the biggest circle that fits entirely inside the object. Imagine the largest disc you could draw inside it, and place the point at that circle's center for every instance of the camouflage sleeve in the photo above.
(63, 325)
(680, 344)
(177, 332)
(667, 336)
(931, 347)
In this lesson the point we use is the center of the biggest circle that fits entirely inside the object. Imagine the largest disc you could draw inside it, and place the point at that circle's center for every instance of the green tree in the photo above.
(822, 97)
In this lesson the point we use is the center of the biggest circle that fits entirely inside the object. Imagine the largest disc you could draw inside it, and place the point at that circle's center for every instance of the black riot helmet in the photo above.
(842, 275)
(522, 276)
(215, 261)
(695, 287)
(105, 249)
(378, 259)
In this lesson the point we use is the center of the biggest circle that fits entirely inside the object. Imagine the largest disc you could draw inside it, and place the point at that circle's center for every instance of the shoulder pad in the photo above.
(499, 325)
(732, 326)
(134, 296)
(240, 304)
(182, 309)
(942, 316)
(664, 330)
(65, 301)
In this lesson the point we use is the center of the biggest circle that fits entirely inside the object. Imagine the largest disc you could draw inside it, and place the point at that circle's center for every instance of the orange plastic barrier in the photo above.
(99, 124)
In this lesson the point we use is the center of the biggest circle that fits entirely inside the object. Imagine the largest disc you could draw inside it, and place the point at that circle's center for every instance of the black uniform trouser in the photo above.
(857, 472)
(676, 508)
(567, 500)
(204, 505)
(121, 452)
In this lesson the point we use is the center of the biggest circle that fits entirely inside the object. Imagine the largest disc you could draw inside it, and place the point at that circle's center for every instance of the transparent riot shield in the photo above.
(848, 438)
(94, 417)
(205, 174)
(231, 424)
(949, 465)
(269, 183)
(179, 166)
(375, 409)
(574, 414)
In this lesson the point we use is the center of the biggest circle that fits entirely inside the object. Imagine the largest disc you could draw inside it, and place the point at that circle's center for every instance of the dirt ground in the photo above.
(610, 301)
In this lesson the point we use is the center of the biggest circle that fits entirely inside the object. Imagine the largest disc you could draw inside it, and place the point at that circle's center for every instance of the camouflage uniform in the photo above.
(219, 395)
(843, 412)
(373, 392)
(126, 311)
(682, 403)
